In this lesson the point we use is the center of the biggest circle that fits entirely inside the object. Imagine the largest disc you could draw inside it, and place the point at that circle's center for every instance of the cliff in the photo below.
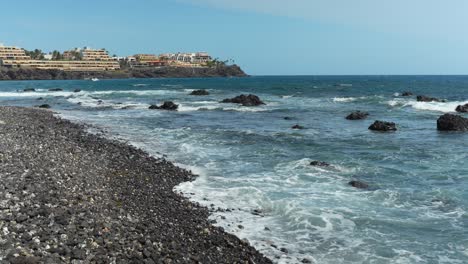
(163, 72)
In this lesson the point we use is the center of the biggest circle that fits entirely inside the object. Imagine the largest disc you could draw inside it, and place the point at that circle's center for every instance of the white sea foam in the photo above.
(445, 107)
(352, 99)
(140, 85)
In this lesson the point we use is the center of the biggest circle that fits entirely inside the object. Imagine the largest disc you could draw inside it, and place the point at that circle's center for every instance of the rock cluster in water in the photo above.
(407, 94)
(423, 98)
(245, 100)
(357, 115)
(450, 122)
(462, 108)
(168, 105)
(383, 126)
(200, 92)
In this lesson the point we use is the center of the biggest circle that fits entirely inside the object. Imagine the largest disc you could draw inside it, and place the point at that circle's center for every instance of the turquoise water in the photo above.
(249, 158)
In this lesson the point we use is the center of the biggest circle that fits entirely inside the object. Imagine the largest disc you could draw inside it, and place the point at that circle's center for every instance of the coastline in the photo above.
(71, 195)
(163, 72)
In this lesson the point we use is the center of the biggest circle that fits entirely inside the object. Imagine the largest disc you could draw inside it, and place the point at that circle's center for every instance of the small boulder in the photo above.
(200, 92)
(297, 127)
(287, 118)
(422, 98)
(245, 100)
(359, 184)
(383, 126)
(462, 108)
(319, 163)
(55, 89)
(29, 90)
(407, 94)
(168, 105)
(44, 106)
(40, 98)
(358, 115)
(77, 90)
(450, 122)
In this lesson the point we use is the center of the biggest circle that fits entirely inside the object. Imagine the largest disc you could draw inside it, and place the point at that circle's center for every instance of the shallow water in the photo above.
(249, 158)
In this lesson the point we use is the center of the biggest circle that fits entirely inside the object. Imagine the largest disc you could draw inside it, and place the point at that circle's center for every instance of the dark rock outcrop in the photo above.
(168, 105)
(77, 90)
(297, 127)
(359, 184)
(200, 92)
(319, 163)
(245, 100)
(383, 126)
(357, 115)
(449, 122)
(462, 108)
(423, 98)
(287, 118)
(407, 94)
(29, 90)
(55, 89)
(44, 106)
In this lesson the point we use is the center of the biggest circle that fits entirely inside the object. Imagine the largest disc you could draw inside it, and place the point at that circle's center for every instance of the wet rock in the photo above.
(319, 163)
(44, 106)
(359, 184)
(29, 90)
(450, 122)
(77, 90)
(240, 226)
(40, 98)
(423, 98)
(357, 115)
(200, 92)
(245, 100)
(168, 105)
(383, 126)
(287, 118)
(284, 250)
(407, 94)
(55, 89)
(267, 228)
(304, 260)
(297, 127)
(462, 108)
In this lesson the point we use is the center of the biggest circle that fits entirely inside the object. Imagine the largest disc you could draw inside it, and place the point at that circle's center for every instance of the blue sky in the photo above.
(265, 37)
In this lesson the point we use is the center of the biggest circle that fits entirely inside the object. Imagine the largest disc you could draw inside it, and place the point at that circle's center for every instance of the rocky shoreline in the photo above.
(163, 72)
(68, 196)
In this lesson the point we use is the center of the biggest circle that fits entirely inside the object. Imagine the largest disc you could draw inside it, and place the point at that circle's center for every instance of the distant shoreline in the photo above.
(161, 72)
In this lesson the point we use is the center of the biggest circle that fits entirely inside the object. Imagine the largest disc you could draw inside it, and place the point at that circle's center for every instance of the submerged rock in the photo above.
(319, 163)
(77, 90)
(357, 115)
(450, 122)
(29, 90)
(44, 106)
(287, 118)
(297, 127)
(383, 126)
(168, 105)
(359, 184)
(462, 108)
(200, 92)
(407, 94)
(245, 100)
(423, 98)
(55, 89)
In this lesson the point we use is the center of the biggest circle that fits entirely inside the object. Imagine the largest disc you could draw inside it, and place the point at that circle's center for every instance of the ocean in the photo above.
(255, 171)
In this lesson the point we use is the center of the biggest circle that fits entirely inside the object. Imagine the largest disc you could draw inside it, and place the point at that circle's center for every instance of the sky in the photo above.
(264, 37)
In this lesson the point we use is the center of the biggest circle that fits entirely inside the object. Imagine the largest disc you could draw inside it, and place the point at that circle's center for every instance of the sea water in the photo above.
(257, 170)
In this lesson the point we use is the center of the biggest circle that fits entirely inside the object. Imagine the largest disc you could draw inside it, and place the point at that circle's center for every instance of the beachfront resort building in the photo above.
(193, 58)
(74, 60)
(146, 60)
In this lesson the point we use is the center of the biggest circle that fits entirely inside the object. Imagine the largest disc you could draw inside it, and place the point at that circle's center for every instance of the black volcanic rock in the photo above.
(55, 89)
(449, 122)
(462, 108)
(77, 90)
(423, 98)
(357, 115)
(245, 100)
(297, 127)
(319, 163)
(44, 106)
(407, 94)
(29, 90)
(200, 92)
(168, 105)
(383, 126)
(359, 184)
